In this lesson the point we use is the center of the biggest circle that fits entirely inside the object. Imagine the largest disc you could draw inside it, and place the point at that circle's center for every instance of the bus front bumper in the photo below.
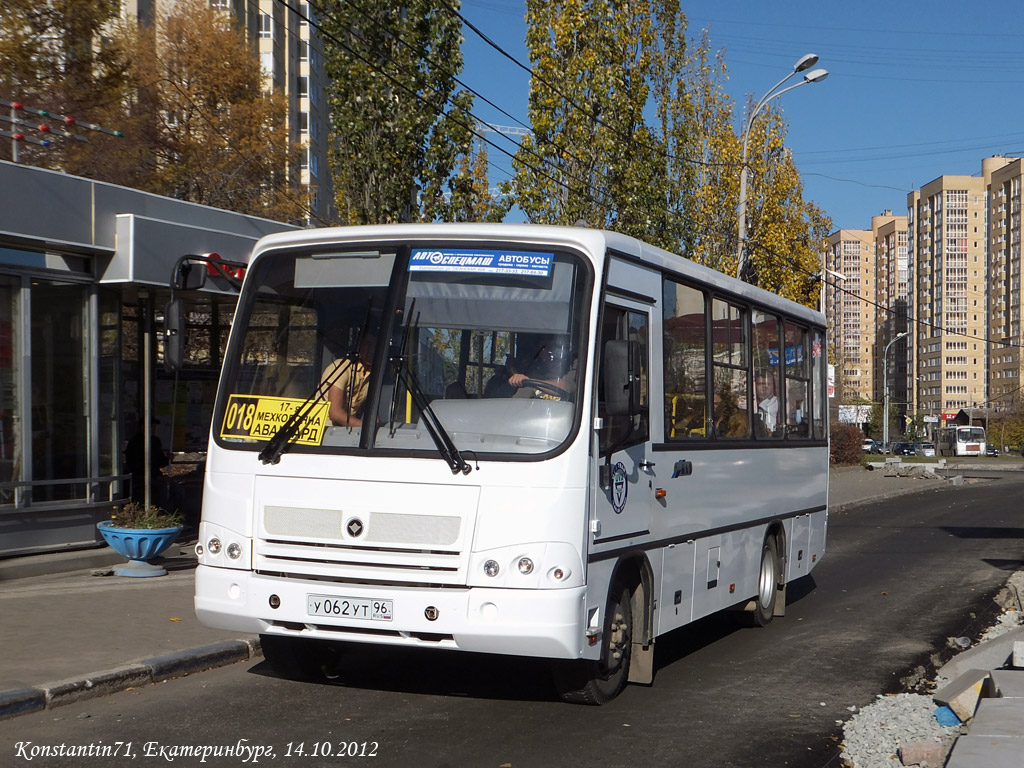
(545, 623)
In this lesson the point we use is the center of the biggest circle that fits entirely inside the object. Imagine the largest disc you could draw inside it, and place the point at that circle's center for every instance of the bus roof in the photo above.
(592, 241)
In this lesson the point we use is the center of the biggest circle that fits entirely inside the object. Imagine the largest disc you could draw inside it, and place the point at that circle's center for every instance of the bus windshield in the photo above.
(970, 434)
(363, 340)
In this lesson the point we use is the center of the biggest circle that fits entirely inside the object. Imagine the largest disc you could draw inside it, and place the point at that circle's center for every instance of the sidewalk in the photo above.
(75, 635)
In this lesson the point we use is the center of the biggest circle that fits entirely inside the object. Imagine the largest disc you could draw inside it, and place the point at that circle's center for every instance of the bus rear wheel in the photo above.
(296, 658)
(597, 682)
(767, 584)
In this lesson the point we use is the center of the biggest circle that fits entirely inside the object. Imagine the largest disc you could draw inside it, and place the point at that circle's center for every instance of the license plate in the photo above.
(349, 608)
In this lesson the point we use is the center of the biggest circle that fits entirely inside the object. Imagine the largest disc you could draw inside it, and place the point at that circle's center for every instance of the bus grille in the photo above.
(379, 546)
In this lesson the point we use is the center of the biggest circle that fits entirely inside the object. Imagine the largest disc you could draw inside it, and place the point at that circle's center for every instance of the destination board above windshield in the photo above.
(476, 261)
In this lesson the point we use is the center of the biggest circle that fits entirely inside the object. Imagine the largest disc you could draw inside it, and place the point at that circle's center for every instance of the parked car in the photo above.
(868, 445)
(904, 449)
(991, 450)
(926, 449)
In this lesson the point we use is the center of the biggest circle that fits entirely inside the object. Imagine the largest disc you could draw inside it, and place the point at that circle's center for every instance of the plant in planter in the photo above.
(140, 534)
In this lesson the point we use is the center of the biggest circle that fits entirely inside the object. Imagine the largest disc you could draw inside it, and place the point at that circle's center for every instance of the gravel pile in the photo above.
(872, 737)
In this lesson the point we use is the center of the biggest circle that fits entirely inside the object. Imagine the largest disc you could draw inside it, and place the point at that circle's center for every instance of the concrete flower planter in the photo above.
(139, 545)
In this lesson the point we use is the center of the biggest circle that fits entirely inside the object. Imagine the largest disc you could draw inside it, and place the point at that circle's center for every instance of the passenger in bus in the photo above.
(765, 389)
(553, 365)
(730, 419)
(347, 381)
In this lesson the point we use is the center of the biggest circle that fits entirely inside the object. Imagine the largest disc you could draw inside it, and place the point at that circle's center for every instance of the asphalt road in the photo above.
(899, 578)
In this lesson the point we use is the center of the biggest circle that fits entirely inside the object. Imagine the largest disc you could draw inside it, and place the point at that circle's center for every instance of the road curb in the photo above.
(146, 672)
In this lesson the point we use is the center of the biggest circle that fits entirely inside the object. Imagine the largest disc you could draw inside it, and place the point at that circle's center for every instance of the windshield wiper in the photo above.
(444, 442)
(285, 434)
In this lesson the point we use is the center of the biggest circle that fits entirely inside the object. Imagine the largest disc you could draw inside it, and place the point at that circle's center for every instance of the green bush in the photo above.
(846, 445)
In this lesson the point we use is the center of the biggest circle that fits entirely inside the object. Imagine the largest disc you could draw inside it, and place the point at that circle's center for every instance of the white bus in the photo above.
(569, 443)
(960, 441)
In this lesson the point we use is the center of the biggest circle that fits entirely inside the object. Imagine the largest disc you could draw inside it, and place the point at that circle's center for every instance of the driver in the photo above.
(552, 366)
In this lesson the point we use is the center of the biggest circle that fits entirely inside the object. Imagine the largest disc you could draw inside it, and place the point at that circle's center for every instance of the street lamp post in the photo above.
(805, 62)
(885, 388)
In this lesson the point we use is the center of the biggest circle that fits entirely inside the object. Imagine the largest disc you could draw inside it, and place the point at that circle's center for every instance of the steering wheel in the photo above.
(545, 386)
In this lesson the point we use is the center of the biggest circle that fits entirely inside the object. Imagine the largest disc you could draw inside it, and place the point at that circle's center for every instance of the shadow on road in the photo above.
(436, 673)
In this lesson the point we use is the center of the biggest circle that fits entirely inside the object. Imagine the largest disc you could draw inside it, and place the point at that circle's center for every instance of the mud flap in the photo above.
(780, 601)
(641, 664)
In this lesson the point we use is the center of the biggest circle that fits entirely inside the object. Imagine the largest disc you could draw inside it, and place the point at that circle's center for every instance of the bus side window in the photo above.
(684, 366)
(623, 431)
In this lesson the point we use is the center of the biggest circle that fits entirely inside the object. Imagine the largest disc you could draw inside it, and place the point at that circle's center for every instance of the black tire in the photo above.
(297, 658)
(768, 579)
(598, 682)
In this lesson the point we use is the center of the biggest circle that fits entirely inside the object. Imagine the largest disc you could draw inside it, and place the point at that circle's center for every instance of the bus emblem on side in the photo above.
(355, 527)
(619, 488)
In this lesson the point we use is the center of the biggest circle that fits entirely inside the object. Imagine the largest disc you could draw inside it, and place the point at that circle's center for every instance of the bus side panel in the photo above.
(818, 537)
(675, 606)
(798, 538)
(724, 574)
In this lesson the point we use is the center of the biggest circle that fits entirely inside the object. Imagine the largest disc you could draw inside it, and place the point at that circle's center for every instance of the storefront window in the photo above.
(59, 420)
(10, 441)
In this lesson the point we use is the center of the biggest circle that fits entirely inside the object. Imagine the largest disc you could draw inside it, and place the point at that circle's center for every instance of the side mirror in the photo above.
(174, 335)
(188, 276)
(621, 377)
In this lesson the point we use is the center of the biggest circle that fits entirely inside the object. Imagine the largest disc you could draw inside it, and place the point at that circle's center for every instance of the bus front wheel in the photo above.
(599, 681)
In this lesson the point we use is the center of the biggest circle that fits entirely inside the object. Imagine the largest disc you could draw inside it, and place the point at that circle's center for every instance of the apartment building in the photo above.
(947, 242)
(291, 57)
(892, 295)
(850, 312)
(292, 61)
(1006, 363)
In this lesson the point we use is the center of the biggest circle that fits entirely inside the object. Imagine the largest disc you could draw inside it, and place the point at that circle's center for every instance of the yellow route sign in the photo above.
(254, 417)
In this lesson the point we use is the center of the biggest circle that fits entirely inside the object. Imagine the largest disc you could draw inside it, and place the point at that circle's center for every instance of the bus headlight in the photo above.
(550, 565)
(223, 548)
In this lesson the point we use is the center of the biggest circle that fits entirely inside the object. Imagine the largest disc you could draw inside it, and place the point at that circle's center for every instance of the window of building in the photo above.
(266, 26)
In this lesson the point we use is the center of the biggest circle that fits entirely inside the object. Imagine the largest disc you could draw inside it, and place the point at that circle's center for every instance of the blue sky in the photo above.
(915, 90)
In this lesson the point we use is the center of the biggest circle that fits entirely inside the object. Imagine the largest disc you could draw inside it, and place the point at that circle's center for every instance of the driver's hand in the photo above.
(517, 379)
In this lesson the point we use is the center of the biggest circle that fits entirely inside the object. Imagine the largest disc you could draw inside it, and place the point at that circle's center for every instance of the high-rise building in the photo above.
(891, 296)
(947, 257)
(850, 309)
(291, 57)
(1006, 364)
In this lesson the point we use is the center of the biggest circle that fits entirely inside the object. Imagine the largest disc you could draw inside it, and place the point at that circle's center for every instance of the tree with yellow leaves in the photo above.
(591, 157)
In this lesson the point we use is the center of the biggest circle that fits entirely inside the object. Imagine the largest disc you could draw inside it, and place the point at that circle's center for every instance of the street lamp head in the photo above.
(806, 61)
(815, 75)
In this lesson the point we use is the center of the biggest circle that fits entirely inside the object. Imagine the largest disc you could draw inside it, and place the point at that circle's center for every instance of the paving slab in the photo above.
(991, 654)
(1007, 683)
(985, 752)
(1000, 717)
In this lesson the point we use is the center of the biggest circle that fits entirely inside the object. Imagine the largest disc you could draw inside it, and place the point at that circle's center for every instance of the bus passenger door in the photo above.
(625, 472)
